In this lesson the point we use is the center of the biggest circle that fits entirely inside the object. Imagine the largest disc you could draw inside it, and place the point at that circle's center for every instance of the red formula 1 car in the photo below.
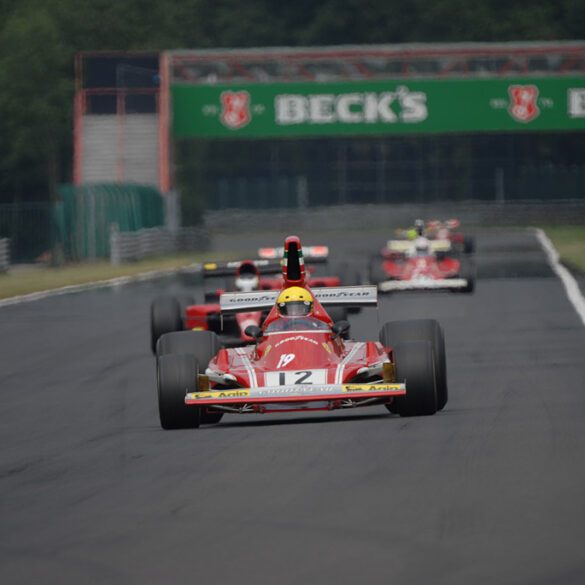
(421, 264)
(175, 313)
(299, 361)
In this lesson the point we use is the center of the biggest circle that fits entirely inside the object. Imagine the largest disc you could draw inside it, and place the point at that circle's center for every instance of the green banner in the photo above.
(378, 107)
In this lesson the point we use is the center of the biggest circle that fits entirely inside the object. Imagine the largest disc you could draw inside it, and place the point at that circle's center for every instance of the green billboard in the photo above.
(280, 110)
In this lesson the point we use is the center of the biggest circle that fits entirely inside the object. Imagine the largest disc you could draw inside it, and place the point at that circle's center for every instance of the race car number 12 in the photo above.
(289, 378)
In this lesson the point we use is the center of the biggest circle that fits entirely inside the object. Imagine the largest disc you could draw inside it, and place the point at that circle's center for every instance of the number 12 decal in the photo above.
(288, 378)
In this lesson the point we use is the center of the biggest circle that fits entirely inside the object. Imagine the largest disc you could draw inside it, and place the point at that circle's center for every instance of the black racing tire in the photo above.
(337, 313)
(202, 345)
(165, 316)
(176, 376)
(396, 332)
(376, 273)
(415, 366)
(210, 417)
(184, 302)
(468, 244)
(467, 271)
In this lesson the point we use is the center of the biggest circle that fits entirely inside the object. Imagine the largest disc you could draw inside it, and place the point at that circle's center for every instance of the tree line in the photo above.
(39, 38)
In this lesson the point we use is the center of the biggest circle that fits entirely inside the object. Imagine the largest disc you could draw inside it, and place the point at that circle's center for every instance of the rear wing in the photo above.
(335, 296)
(403, 246)
(311, 254)
(424, 284)
(212, 269)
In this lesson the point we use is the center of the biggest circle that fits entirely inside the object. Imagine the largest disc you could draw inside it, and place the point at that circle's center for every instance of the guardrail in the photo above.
(132, 246)
(4, 254)
(372, 216)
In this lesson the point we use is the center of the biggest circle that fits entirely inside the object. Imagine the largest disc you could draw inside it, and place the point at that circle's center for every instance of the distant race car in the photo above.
(299, 361)
(421, 264)
(175, 313)
(442, 230)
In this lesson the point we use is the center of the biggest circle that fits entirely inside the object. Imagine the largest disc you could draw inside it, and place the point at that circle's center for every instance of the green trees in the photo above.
(38, 40)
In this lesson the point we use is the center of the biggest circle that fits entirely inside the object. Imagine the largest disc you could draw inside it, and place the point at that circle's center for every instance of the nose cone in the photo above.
(297, 351)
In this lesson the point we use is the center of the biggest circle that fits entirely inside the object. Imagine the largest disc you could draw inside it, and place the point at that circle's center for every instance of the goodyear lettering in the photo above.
(296, 338)
(234, 300)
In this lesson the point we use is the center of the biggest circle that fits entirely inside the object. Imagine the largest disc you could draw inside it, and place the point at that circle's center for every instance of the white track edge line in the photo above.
(571, 286)
(74, 288)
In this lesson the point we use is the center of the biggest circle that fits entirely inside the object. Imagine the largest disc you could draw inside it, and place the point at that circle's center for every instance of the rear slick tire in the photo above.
(468, 244)
(467, 272)
(416, 368)
(376, 272)
(165, 317)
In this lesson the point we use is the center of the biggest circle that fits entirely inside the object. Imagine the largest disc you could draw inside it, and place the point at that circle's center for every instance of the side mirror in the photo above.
(254, 332)
(341, 328)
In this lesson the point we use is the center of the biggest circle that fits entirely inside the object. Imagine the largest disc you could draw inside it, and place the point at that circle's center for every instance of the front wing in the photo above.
(295, 393)
(438, 284)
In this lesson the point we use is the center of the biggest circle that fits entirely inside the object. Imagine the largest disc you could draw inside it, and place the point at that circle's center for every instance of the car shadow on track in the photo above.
(298, 421)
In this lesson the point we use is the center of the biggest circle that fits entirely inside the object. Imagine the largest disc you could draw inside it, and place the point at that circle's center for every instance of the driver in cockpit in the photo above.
(420, 245)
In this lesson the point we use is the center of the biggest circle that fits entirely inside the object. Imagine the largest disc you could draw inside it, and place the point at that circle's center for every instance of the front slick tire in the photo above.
(177, 375)
(415, 367)
(396, 332)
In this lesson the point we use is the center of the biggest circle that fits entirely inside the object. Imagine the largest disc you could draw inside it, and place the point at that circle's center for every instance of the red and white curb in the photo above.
(74, 288)
(571, 286)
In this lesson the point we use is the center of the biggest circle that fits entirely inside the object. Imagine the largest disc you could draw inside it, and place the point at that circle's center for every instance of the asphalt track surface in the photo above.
(490, 490)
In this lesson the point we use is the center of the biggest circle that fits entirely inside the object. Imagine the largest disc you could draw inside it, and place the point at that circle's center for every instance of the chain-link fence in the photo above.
(263, 174)
(84, 216)
(29, 227)
(77, 225)
(4, 254)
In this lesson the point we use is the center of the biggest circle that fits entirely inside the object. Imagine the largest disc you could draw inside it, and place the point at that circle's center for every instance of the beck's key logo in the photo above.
(523, 106)
(235, 109)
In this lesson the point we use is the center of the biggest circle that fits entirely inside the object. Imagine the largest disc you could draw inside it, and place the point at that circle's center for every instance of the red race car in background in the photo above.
(420, 264)
(299, 361)
(175, 313)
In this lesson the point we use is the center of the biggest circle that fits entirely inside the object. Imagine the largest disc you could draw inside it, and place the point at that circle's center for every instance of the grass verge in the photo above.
(570, 243)
(21, 280)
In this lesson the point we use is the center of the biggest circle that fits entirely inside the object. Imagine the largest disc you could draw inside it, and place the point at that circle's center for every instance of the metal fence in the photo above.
(84, 214)
(77, 225)
(132, 246)
(4, 254)
(423, 169)
(29, 226)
